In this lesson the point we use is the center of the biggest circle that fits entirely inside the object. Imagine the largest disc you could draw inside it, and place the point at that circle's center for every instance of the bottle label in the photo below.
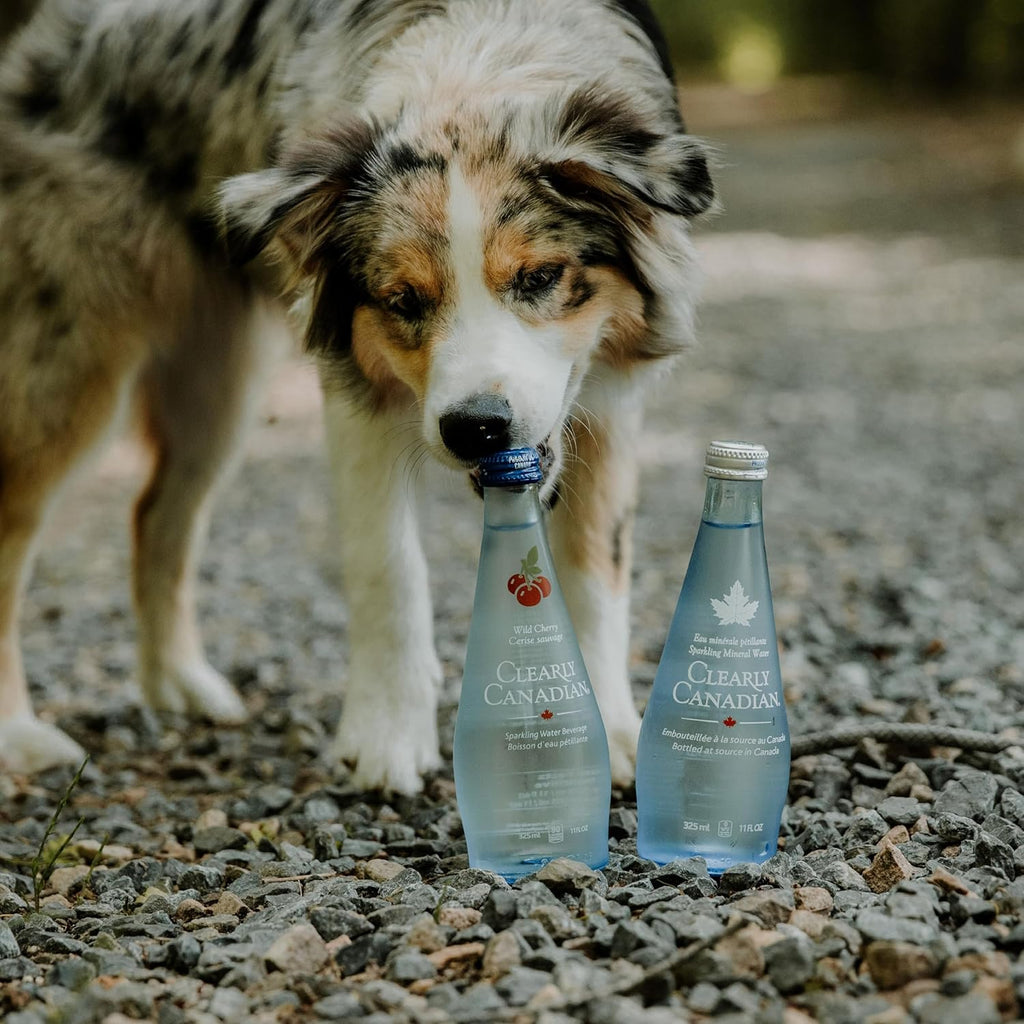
(734, 673)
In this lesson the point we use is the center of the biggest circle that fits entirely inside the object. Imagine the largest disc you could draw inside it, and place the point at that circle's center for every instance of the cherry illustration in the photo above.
(528, 585)
(529, 594)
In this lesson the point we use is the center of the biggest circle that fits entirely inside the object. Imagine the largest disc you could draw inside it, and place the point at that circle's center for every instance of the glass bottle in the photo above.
(532, 776)
(713, 754)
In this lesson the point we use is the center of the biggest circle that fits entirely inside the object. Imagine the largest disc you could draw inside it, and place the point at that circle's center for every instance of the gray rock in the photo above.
(876, 925)
(397, 914)
(518, 986)
(839, 876)
(769, 906)
(681, 872)
(361, 849)
(331, 922)
(615, 1010)
(8, 943)
(1004, 830)
(339, 1006)
(740, 876)
(499, 911)
(865, 829)
(300, 950)
(229, 1004)
(993, 853)
(408, 966)
(954, 827)
(790, 963)
(367, 949)
(631, 935)
(972, 795)
(15, 967)
(218, 838)
(1012, 806)
(180, 955)
(26, 1017)
(478, 1001)
(900, 810)
(975, 1007)
(703, 997)
(72, 974)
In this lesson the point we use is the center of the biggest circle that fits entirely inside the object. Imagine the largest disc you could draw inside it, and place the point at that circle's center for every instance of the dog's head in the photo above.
(480, 266)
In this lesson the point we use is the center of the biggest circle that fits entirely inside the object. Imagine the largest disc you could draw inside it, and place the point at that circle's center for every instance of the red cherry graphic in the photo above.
(529, 594)
(729, 722)
(528, 585)
(547, 713)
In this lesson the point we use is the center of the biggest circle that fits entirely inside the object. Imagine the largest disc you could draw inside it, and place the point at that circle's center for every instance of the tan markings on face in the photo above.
(408, 262)
(509, 249)
(625, 327)
(392, 368)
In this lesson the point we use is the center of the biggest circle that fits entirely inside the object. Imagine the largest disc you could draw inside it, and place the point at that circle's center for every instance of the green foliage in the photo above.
(935, 45)
(51, 846)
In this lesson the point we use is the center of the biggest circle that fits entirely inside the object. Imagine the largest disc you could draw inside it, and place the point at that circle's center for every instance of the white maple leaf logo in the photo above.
(735, 609)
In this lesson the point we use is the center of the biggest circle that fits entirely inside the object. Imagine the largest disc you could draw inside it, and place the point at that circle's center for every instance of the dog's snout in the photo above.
(476, 427)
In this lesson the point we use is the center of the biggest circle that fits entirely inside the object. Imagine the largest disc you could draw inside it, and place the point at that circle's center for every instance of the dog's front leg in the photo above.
(592, 533)
(388, 725)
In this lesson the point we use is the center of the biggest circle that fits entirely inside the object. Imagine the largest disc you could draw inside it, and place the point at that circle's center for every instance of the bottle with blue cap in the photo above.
(532, 775)
(712, 768)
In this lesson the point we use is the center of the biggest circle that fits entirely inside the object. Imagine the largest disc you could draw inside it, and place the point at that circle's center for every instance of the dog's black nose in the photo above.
(476, 427)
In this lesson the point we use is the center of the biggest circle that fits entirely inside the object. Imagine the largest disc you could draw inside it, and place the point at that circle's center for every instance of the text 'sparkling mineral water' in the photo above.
(713, 755)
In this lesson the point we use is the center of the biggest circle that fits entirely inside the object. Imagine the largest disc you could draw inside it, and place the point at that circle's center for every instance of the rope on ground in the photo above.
(902, 732)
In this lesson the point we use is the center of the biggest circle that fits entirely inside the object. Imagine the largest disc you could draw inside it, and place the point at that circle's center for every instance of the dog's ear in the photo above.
(643, 175)
(255, 208)
(294, 203)
(606, 143)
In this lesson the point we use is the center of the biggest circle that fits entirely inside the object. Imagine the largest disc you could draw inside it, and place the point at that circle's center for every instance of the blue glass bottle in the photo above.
(532, 775)
(713, 754)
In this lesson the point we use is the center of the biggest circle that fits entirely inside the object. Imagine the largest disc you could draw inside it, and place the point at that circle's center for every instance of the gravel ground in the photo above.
(862, 318)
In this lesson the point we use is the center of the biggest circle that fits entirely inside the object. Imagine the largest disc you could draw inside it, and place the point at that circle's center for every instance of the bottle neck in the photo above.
(732, 502)
(511, 506)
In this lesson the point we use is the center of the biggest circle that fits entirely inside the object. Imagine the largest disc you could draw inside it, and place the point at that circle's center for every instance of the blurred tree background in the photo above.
(934, 46)
(941, 46)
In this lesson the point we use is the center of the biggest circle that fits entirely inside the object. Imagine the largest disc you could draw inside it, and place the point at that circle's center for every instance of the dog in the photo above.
(476, 213)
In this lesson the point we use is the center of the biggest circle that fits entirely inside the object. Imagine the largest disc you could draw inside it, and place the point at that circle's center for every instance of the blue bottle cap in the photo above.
(513, 466)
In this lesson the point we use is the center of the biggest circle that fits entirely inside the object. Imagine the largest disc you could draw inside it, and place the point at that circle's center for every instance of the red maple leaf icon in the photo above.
(547, 713)
(729, 722)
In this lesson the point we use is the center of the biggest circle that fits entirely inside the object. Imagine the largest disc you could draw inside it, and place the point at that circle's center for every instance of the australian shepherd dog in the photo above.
(475, 213)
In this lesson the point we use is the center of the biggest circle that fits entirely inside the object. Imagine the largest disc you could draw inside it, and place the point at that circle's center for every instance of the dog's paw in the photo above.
(388, 749)
(195, 689)
(622, 739)
(28, 745)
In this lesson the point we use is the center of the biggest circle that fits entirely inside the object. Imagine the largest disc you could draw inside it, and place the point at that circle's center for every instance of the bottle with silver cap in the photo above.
(532, 775)
(713, 755)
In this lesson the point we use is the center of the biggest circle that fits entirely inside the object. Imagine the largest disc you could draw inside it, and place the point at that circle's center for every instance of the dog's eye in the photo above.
(535, 284)
(408, 304)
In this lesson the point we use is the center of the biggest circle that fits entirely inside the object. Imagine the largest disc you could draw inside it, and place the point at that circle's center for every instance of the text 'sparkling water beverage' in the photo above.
(531, 763)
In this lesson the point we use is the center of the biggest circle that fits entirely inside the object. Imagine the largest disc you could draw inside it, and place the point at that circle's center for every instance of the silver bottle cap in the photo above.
(736, 460)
